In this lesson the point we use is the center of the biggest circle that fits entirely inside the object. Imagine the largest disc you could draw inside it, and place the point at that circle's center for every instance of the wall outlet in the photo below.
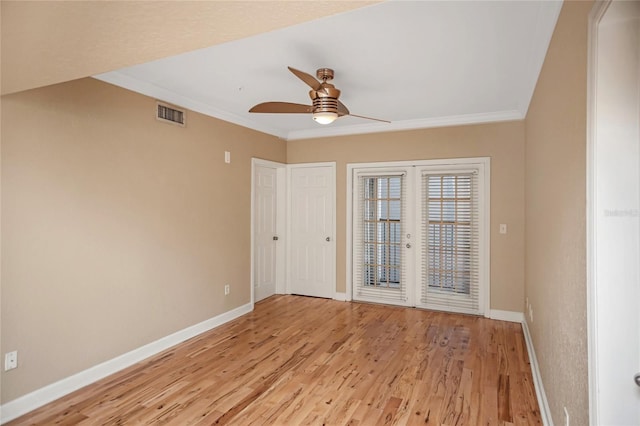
(566, 417)
(226, 290)
(10, 360)
(503, 228)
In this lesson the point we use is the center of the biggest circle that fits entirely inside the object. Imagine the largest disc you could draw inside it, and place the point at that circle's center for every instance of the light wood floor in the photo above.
(298, 360)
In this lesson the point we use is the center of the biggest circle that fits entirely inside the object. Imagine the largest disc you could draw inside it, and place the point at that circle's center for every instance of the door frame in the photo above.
(598, 11)
(594, 346)
(281, 224)
(485, 206)
(332, 272)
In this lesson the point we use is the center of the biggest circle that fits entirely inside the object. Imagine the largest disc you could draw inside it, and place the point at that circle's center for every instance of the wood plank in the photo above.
(301, 360)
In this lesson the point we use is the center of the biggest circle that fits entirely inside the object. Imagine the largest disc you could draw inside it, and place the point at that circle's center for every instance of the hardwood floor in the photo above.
(299, 360)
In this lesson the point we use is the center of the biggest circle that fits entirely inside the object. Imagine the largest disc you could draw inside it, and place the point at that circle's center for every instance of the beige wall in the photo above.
(503, 142)
(555, 216)
(48, 42)
(117, 229)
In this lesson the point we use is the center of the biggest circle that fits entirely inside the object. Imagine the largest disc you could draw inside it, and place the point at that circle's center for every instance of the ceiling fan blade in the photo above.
(342, 109)
(307, 78)
(369, 118)
(282, 107)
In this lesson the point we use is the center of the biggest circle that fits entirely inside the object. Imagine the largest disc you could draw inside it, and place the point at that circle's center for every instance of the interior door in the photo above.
(312, 248)
(266, 238)
(615, 215)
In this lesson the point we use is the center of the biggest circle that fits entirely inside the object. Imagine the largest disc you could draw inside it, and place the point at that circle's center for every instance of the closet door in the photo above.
(265, 230)
(312, 228)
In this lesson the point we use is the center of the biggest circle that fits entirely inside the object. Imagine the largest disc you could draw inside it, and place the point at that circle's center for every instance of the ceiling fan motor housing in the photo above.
(325, 105)
(325, 99)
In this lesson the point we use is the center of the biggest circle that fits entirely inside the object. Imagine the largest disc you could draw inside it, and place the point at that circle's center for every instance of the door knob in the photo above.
(636, 378)
(328, 239)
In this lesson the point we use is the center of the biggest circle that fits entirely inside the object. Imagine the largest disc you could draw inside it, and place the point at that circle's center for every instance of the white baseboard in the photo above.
(20, 406)
(510, 316)
(340, 296)
(545, 412)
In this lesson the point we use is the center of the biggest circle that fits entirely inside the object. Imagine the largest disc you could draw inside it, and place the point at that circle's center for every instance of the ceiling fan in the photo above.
(324, 96)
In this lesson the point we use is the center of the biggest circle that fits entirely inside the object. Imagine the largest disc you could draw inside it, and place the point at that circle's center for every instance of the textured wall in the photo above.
(503, 142)
(555, 188)
(117, 229)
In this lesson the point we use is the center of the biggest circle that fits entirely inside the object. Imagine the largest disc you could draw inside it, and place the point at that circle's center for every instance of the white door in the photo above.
(614, 210)
(266, 240)
(418, 233)
(312, 249)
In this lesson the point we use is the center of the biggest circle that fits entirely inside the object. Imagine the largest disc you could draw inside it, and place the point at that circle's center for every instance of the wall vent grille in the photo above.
(169, 114)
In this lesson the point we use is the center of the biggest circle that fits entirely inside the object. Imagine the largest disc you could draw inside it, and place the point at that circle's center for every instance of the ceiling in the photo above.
(417, 64)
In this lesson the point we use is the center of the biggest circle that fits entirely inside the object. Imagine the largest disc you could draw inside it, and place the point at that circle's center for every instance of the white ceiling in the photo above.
(416, 63)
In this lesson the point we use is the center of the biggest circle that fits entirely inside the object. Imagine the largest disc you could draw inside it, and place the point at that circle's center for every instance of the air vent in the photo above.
(169, 114)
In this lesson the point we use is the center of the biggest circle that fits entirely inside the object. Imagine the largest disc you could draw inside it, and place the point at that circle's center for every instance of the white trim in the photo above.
(349, 233)
(342, 297)
(281, 212)
(545, 412)
(122, 80)
(24, 404)
(423, 123)
(597, 12)
(510, 316)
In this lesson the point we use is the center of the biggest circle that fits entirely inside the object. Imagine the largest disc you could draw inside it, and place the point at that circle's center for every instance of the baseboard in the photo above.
(545, 412)
(510, 316)
(340, 296)
(20, 406)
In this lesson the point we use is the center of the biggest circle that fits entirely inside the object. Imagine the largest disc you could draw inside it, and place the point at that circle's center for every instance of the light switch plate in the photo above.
(10, 360)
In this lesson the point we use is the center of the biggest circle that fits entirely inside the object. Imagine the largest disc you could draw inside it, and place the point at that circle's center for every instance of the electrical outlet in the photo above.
(503, 228)
(10, 360)
(566, 417)
(226, 290)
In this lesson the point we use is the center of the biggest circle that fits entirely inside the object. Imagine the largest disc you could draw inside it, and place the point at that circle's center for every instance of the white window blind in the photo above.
(450, 241)
(379, 226)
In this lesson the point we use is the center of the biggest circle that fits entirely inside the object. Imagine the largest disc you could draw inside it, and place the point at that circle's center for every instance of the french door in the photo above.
(418, 234)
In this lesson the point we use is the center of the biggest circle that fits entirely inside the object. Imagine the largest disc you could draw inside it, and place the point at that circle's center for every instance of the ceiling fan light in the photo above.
(324, 117)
